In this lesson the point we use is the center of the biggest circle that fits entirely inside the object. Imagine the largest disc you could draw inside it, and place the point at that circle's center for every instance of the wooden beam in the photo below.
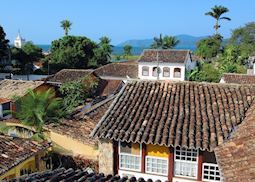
(115, 157)
(143, 158)
(200, 166)
(171, 164)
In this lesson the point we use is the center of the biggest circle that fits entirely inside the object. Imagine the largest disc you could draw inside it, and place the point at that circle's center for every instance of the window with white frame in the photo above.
(156, 71)
(166, 72)
(156, 165)
(185, 162)
(211, 172)
(177, 72)
(145, 71)
(130, 156)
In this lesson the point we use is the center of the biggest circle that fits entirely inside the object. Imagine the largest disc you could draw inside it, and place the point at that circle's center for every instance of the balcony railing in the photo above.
(211, 172)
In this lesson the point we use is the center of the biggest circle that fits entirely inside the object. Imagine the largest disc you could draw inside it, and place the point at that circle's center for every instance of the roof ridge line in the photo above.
(106, 113)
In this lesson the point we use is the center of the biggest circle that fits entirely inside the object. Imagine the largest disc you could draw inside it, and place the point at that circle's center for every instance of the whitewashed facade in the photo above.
(165, 70)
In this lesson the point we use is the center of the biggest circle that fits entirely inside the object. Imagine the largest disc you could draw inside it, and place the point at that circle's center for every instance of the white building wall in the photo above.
(1, 111)
(172, 66)
(130, 174)
(190, 65)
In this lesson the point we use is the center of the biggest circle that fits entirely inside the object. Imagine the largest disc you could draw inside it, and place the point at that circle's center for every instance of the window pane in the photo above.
(156, 165)
(186, 162)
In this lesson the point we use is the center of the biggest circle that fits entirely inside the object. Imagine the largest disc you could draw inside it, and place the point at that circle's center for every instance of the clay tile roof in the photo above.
(11, 88)
(4, 100)
(239, 78)
(16, 150)
(186, 114)
(61, 174)
(119, 70)
(236, 157)
(166, 55)
(81, 127)
(68, 75)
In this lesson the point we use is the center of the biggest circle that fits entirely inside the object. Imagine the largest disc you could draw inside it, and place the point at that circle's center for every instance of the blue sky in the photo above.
(38, 20)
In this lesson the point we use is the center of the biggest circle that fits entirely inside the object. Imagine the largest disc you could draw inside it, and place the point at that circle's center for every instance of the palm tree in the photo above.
(38, 108)
(127, 50)
(166, 42)
(66, 25)
(216, 13)
(157, 42)
(105, 44)
(169, 42)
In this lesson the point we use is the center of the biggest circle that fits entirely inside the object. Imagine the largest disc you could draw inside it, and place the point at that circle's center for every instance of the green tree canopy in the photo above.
(209, 47)
(38, 108)
(127, 50)
(66, 25)
(75, 93)
(33, 52)
(244, 38)
(166, 42)
(72, 52)
(216, 13)
(4, 43)
(103, 52)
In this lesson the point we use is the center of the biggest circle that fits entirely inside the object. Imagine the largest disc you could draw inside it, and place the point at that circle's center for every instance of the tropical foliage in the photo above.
(4, 46)
(166, 42)
(37, 108)
(209, 47)
(216, 13)
(127, 50)
(66, 25)
(102, 54)
(75, 93)
(71, 52)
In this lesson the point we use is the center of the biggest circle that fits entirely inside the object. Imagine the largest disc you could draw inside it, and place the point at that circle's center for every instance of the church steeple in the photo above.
(19, 41)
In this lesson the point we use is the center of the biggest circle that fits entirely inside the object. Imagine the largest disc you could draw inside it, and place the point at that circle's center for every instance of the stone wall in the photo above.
(106, 157)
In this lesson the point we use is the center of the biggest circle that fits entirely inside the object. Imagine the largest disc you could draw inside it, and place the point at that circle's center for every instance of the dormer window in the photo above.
(155, 71)
(145, 71)
(166, 72)
(177, 72)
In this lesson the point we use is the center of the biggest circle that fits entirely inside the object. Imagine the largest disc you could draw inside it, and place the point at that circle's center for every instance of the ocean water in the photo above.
(117, 50)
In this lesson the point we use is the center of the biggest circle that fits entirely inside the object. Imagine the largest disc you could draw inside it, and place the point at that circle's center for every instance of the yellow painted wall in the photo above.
(30, 163)
(157, 151)
(77, 148)
(135, 149)
(74, 146)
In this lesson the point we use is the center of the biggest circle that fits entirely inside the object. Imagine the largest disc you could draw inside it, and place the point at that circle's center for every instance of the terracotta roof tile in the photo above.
(16, 150)
(4, 100)
(236, 157)
(68, 175)
(166, 55)
(10, 88)
(68, 75)
(81, 127)
(239, 78)
(120, 70)
(186, 114)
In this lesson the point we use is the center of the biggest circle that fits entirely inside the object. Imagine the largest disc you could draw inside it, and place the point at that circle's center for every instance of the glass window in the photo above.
(177, 72)
(6, 108)
(211, 172)
(156, 165)
(155, 71)
(130, 156)
(145, 71)
(185, 162)
(166, 72)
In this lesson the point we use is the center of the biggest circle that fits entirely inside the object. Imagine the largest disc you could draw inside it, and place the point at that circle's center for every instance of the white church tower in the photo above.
(19, 41)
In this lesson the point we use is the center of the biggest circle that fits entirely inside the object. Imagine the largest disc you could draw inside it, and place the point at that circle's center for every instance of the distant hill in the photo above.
(186, 42)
